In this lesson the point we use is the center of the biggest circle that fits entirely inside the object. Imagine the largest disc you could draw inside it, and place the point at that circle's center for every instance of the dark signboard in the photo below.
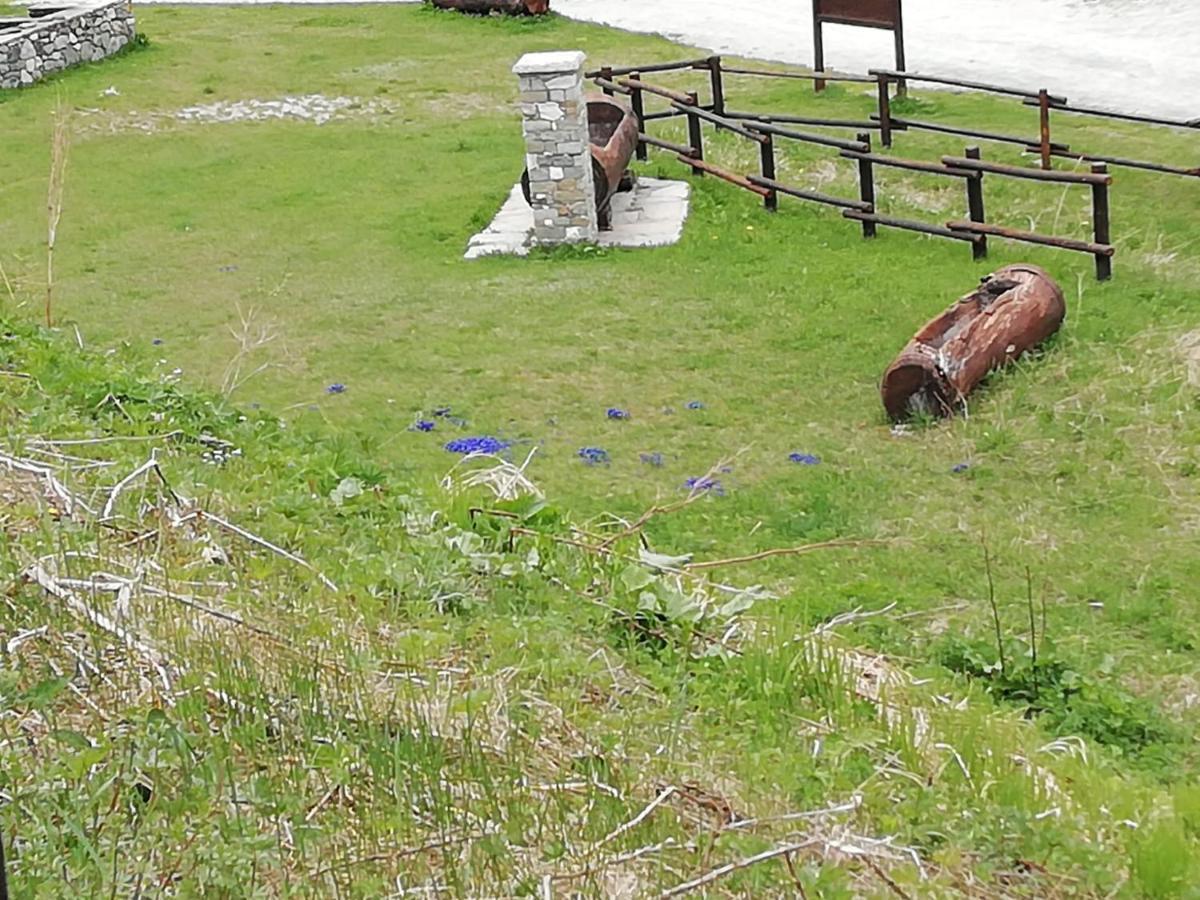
(885, 14)
(868, 13)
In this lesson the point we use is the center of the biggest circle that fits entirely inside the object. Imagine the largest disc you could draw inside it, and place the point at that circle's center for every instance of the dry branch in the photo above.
(785, 551)
(638, 819)
(262, 542)
(38, 575)
(728, 868)
(69, 500)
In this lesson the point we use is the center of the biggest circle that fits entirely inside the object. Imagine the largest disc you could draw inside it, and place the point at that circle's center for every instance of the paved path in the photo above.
(1128, 55)
(651, 215)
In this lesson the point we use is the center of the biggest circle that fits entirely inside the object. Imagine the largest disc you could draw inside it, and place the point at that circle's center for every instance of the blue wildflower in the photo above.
(805, 459)
(960, 468)
(695, 404)
(594, 456)
(615, 413)
(157, 342)
(652, 459)
(704, 483)
(336, 388)
(483, 444)
(422, 425)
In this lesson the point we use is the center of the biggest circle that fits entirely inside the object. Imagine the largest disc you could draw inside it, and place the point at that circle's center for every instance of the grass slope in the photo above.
(346, 240)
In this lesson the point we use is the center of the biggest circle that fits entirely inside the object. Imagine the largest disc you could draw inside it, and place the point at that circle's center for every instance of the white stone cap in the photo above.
(546, 63)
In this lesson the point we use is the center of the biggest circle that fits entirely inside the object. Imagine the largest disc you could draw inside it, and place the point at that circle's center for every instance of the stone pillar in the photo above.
(557, 154)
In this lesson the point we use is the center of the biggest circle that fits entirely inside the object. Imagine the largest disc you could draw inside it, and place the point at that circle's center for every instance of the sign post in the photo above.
(885, 14)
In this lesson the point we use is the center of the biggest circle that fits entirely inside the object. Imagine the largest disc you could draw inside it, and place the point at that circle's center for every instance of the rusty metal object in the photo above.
(508, 7)
(1012, 311)
(613, 132)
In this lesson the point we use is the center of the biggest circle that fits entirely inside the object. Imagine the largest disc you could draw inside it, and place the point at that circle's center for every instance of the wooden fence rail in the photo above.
(886, 123)
(970, 168)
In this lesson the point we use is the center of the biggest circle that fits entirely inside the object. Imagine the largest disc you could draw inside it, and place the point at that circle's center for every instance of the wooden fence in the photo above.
(888, 124)
(766, 129)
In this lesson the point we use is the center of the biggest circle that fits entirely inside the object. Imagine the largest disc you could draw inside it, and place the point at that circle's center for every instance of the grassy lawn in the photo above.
(343, 244)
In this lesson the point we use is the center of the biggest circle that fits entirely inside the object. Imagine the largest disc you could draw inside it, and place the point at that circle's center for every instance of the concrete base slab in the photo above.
(651, 215)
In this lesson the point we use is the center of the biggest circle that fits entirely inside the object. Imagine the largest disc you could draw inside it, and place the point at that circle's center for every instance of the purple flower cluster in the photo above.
(482, 444)
(594, 456)
(336, 388)
(423, 425)
(616, 413)
(960, 468)
(652, 459)
(704, 483)
(805, 459)
(695, 404)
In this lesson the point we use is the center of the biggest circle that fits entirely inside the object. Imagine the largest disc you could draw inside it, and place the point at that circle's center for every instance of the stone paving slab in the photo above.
(651, 215)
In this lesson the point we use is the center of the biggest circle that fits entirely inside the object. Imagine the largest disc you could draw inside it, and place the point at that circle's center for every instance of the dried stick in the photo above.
(850, 806)
(70, 501)
(695, 494)
(79, 442)
(1033, 638)
(195, 604)
(632, 855)
(60, 145)
(791, 867)
(987, 566)
(145, 467)
(885, 878)
(12, 296)
(263, 542)
(37, 574)
(722, 871)
(785, 551)
(405, 852)
(638, 819)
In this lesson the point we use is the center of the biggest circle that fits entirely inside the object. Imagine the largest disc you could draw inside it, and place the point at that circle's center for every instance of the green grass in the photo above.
(346, 241)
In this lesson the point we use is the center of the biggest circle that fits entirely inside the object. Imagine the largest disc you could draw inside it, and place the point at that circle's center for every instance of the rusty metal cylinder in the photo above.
(613, 134)
(1012, 311)
(507, 7)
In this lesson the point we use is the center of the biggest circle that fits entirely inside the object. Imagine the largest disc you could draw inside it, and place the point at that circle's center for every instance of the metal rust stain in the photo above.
(1013, 310)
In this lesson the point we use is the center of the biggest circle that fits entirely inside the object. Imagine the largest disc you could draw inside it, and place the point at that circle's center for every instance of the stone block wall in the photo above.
(67, 34)
(557, 149)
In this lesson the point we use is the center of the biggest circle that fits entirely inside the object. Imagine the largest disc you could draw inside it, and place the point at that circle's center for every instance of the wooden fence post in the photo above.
(637, 102)
(767, 156)
(695, 135)
(975, 207)
(818, 48)
(901, 62)
(1101, 223)
(718, 85)
(866, 185)
(885, 110)
(1044, 110)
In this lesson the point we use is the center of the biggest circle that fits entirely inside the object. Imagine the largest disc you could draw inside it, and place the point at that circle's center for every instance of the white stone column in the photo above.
(557, 154)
